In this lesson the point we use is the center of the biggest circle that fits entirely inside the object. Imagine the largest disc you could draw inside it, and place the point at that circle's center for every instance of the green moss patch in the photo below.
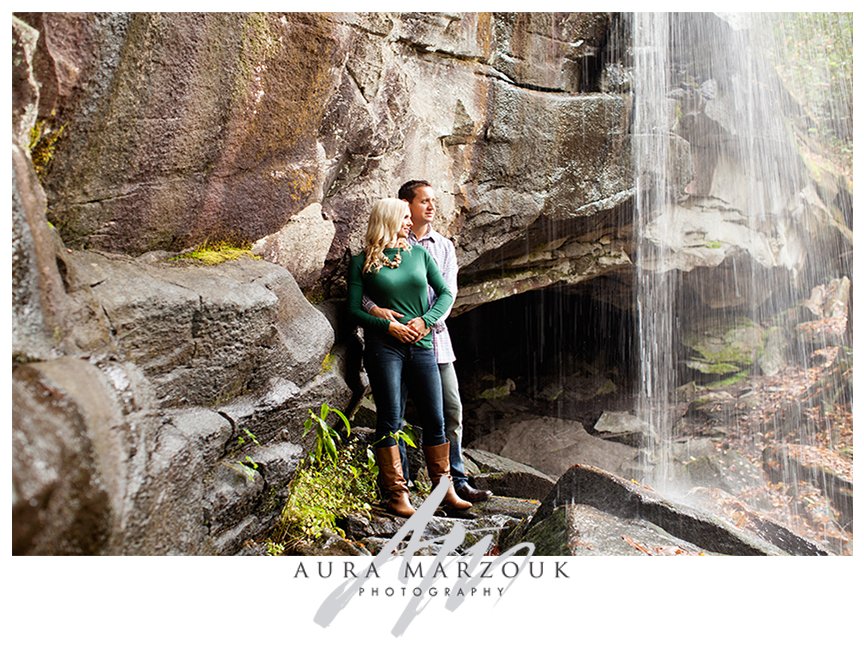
(210, 254)
(712, 368)
(43, 143)
(729, 381)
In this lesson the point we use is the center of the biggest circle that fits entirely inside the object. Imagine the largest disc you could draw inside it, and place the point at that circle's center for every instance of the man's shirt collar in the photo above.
(430, 234)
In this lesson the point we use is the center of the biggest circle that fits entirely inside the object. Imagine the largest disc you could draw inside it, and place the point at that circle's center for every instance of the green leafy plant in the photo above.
(335, 480)
(275, 548)
(246, 468)
(338, 478)
(325, 435)
(322, 493)
(407, 435)
(241, 439)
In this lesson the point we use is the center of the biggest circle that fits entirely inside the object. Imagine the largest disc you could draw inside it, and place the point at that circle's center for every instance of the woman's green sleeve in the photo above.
(355, 297)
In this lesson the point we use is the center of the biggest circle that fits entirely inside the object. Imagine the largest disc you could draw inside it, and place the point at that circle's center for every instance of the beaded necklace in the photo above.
(394, 263)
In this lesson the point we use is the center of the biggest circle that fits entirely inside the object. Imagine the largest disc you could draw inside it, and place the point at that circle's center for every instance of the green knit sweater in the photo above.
(403, 289)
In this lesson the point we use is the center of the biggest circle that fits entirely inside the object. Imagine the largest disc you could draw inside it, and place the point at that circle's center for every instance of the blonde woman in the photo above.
(399, 354)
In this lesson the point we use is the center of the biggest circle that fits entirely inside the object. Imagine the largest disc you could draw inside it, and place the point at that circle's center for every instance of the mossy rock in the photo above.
(729, 381)
(725, 348)
(549, 536)
(499, 392)
(712, 368)
(211, 254)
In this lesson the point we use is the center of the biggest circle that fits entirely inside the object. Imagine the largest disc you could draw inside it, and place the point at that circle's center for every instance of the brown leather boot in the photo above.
(438, 464)
(392, 482)
(472, 494)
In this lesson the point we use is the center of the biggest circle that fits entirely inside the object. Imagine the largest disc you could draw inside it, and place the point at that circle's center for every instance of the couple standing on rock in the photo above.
(401, 289)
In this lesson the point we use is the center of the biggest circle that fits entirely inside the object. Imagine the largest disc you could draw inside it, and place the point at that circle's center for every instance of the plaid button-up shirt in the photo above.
(444, 253)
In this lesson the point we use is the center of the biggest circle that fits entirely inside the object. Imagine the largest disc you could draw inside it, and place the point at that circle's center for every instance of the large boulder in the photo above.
(623, 427)
(99, 470)
(507, 477)
(301, 245)
(724, 348)
(117, 443)
(592, 511)
(205, 335)
(553, 445)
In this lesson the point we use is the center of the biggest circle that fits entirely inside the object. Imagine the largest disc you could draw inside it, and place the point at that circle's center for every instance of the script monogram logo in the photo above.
(415, 526)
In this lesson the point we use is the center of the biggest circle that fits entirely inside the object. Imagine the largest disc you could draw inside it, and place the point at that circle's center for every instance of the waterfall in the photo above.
(741, 140)
(655, 297)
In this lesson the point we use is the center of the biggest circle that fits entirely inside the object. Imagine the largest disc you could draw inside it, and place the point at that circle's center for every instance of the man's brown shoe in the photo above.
(465, 491)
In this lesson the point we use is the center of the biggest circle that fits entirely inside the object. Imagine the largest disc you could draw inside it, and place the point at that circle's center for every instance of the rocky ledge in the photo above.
(588, 511)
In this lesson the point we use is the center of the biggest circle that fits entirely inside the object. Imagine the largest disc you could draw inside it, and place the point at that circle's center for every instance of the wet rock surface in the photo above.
(554, 445)
(604, 492)
(506, 477)
(580, 529)
(623, 427)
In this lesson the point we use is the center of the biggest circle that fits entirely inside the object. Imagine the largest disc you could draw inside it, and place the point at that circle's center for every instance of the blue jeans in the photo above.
(452, 425)
(394, 367)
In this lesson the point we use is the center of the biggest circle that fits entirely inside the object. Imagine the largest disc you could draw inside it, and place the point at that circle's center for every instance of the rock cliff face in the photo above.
(178, 129)
(136, 376)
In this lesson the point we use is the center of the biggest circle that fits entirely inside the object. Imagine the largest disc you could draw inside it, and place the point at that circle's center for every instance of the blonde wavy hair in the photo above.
(385, 222)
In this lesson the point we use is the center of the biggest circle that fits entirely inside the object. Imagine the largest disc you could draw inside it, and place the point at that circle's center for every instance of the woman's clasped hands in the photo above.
(411, 332)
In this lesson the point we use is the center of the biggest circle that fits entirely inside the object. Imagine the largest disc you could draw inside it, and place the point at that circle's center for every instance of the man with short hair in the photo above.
(421, 200)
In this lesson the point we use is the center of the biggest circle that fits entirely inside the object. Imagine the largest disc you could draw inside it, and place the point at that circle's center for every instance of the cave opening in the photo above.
(564, 352)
